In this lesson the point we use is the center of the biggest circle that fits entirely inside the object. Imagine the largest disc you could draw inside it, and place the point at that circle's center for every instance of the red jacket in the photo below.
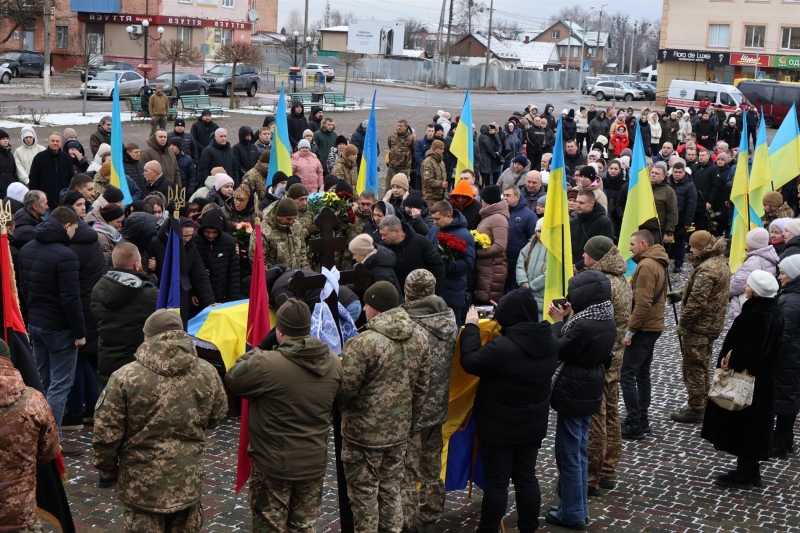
(619, 142)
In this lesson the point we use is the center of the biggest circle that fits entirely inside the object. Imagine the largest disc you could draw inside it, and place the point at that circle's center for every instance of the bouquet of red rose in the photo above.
(449, 247)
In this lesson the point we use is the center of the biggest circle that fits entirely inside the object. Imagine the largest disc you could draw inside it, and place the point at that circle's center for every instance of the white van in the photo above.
(684, 94)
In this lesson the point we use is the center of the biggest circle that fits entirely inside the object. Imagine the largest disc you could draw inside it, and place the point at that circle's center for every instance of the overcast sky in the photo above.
(530, 15)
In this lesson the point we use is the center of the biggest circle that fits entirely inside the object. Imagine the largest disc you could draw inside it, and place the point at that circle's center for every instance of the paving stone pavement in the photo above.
(663, 482)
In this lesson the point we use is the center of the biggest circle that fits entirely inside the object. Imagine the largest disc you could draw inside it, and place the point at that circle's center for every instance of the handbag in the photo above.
(733, 391)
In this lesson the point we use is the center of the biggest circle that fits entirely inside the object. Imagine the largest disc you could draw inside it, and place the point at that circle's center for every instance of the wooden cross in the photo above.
(328, 244)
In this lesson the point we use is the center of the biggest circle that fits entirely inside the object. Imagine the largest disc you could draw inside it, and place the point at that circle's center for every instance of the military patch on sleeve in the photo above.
(240, 369)
(100, 399)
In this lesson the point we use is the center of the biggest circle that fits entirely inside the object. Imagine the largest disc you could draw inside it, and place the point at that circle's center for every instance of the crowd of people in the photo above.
(436, 245)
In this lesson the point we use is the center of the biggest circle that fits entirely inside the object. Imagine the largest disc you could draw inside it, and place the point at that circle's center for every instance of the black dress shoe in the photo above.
(608, 484)
(593, 492)
(551, 518)
(733, 481)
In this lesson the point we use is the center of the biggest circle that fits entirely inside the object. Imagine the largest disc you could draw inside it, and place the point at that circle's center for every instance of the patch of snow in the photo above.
(59, 119)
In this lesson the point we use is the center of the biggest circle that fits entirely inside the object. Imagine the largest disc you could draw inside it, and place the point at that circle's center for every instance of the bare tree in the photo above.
(506, 29)
(177, 52)
(349, 60)
(238, 53)
(15, 13)
(341, 18)
(294, 57)
(85, 54)
(414, 30)
(294, 22)
(469, 17)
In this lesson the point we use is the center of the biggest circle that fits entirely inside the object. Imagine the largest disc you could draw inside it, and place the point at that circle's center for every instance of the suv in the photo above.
(325, 70)
(112, 65)
(24, 63)
(219, 80)
(588, 83)
(607, 90)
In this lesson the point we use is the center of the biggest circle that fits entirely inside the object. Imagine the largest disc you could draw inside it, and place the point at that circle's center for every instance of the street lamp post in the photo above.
(583, 46)
(758, 51)
(135, 37)
(295, 56)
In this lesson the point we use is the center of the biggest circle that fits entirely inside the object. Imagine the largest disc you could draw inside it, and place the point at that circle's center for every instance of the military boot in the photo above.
(687, 415)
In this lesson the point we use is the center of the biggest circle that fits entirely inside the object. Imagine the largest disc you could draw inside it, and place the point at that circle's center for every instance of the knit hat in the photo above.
(220, 180)
(793, 227)
(757, 238)
(112, 195)
(763, 283)
(517, 306)
(4, 135)
(572, 193)
(596, 154)
(105, 169)
(361, 244)
(414, 199)
(112, 212)
(349, 150)
(176, 141)
(602, 139)
(298, 190)
(71, 197)
(625, 160)
(700, 239)
(292, 180)
(69, 144)
(264, 157)
(180, 122)
(772, 198)
(420, 283)
(791, 266)
(278, 177)
(268, 120)
(303, 144)
(4, 350)
(286, 208)
(627, 152)
(401, 180)
(542, 201)
(779, 223)
(329, 181)
(307, 132)
(732, 120)
(205, 113)
(520, 160)
(162, 321)
(382, 296)
(341, 139)
(343, 186)
(293, 318)
(491, 194)
(720, 157)
(598, 246)
(435, 145)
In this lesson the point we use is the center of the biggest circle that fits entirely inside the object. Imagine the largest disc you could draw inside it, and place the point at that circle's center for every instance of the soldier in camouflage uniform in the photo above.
(284, 237)
(704, 303)
(434, 173)
(299, 194)
(385, 382)
(148, 429)
(401, 152)
(363, 212)
(291, 388)
(605, 439)
(775, 208)
(423, 463)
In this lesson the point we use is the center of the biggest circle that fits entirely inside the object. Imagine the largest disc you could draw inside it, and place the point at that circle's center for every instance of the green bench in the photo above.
(303, 97)
(339, 100)
(135, 103)
(198, 104)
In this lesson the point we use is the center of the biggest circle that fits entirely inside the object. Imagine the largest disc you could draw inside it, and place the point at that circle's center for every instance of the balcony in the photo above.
(95, 6)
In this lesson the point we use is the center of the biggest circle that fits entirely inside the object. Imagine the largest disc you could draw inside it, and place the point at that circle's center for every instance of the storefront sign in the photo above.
(693, 56)
(786, 61)
(161, 20)
(751, 60)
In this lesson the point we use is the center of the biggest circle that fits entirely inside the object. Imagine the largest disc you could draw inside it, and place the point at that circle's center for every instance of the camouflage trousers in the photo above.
(374, 478)
(280, 506)
(423, 464)
(189, 520)
(36, 527)
(697, 373)
(605, 438)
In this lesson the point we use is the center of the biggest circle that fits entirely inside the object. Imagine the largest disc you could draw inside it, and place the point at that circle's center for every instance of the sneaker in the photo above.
(733, 481)
(71, 423)
(552, 518)
(608, 484)
(646, 426)
(687, 415)
(632, 432)
(677, 269)
(71, 449)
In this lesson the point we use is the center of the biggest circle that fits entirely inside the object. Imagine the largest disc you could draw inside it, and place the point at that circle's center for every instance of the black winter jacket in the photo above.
(584, 227)
(686, 194)
(297, 123)
(93, 266)
(704, 128)
(792, 247)
(219, 259)
(139, 230)
(194, 279)
(613, 187)
(23, 232)
(415, 251)
(50, 274)
(245, 151)
(458, 273)
(787, 371)
(50, 172)
(162, 185)
(569, 129)
(8, 170)
(585, 349)
(188, 172)
(189, 145)
(708, 184)
(134, 170)
(381, 268)
(202, 133)
(218, 156)
(490, 156)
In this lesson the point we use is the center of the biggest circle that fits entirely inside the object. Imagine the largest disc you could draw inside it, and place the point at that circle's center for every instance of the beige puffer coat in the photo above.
(492, 263)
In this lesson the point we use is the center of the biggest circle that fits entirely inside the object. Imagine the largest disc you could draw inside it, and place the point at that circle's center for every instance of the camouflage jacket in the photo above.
(401, 149)
(257, 179)
(705, 296)
(385, 381)
(283, 245)
(438, 323)
(433, 173)
(29, 437)
(613, 266)
(344, 169)
(150, 420)
(783, 211)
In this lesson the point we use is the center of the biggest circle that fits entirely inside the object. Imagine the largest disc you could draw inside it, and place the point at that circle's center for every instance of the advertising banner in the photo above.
(366, 36)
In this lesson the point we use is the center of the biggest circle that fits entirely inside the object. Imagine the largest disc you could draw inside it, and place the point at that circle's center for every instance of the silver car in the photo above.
(616, 90)
(130, 84)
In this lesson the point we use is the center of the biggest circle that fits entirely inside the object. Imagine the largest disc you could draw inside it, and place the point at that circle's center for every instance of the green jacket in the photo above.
(433, 173)
(705, 298)
(385, 381)
(150, 420)
(344, 169)
(291, 391)
(282, 244)
(533, 275)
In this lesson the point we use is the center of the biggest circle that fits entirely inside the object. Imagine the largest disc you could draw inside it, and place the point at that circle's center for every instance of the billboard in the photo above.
(366, 36)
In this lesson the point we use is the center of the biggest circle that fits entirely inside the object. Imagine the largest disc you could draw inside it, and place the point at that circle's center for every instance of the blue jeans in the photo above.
(635, 376)
(83, 395)
(56, 358)
(457, 313)
(572, 458)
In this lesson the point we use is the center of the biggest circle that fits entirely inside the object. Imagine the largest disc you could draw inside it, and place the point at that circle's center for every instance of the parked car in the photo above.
(648, 89)
(326, 70)
(219, 79)
(112, 65)
(588, 83)
(608, 90)
(130, 84)
(185, 83)
(24, 63)
(5, 75)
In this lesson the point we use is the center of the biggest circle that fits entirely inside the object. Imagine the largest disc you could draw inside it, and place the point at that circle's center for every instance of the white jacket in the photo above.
(655, 130)
(24, 154)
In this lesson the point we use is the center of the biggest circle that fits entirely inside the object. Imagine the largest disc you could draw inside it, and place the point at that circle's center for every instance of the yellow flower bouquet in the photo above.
(482, 241)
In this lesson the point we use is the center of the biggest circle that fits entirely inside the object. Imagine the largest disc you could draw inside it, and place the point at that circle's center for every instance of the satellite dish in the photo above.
(252, 15)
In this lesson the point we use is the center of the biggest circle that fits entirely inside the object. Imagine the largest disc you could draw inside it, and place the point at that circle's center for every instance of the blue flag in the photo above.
(368, 173)
(117, 178)
(169, 290)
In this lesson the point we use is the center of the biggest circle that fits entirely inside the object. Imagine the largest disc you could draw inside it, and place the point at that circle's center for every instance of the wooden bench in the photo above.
(339, 100)
(198, 104)
(303, 97)
(135, 103)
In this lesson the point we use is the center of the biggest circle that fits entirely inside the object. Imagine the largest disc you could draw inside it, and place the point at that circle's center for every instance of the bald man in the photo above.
(156, 181)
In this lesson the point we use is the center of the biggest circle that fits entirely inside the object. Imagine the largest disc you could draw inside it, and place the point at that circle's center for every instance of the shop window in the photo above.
(62, 37)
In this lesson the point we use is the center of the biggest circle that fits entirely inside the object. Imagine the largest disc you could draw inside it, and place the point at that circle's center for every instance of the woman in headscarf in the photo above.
(787, 373)
(379, 210)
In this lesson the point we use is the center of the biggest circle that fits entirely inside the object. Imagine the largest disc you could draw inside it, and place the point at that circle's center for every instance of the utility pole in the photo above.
(622, 60)
(469, 16)
(583, 47)
(569, 51)
(305, 22)
(447, 49)
(327, 14)
(488, 47)
(633, 41)
(46, 77)
(437, 55)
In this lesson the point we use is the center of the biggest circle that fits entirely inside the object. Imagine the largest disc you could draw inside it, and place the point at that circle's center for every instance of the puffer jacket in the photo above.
(521, 228)
(246, 152)
(380, 264)
(582, 122)
(188, 172)
(346, 170)
(457, 273)
(25, 224)
(297, 123)
(139, 230)
(686, 196)
(219, 258)
(8, 170)
(108, 237)
(492, 263)
(531, 264)
(433, 174)
(216, 155)
(655, 129)
(134, 169)
(705, 299)
(765, 259)
(401, 149)
(585, 349)
(512, 177)
(162, 154)
(188, 146)
(29, 438)
(24, 154)
(491, 160)
(309, 170)
(652, 264)
(585, 226)
(787, 372)
(93, 266)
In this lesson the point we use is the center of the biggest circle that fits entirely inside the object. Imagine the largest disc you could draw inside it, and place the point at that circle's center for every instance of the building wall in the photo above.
(333, 41)
(267, 15)
(469, 47)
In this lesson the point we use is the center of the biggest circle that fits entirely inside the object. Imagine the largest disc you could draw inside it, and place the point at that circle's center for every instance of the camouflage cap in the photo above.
(420, 284)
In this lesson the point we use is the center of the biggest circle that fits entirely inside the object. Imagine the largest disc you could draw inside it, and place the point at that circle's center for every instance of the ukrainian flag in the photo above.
(784, 152)
(461, 147)
(640, 206)
(117, 178)
(280, 157)
(556, 235)
(742, 214)
(368, 173)
(761, 174)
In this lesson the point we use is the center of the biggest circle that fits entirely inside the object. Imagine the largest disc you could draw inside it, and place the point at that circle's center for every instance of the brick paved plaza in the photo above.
(663, 482)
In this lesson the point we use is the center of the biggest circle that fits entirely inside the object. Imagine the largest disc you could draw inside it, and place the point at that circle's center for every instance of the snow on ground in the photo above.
(58, 119)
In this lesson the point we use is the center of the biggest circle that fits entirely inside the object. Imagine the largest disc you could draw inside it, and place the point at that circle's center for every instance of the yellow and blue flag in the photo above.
(117, 178)
(761, 173)
(280, 157)
(169, 287)
(640, 206)
(784, 151)
(556, 235)
(368, 173)
(743, 215)
(461, 147)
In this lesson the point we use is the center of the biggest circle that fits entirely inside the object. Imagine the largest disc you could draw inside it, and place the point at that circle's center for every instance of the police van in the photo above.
(684, 94)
